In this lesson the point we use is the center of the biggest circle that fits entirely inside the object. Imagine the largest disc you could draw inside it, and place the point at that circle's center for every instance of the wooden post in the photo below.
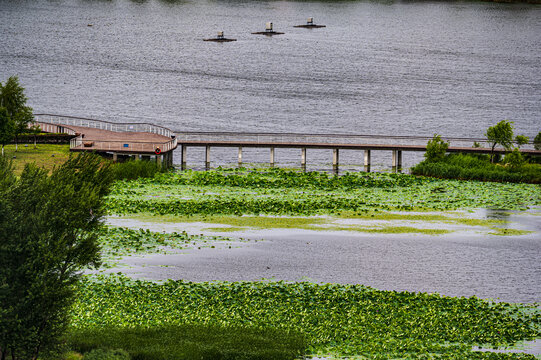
(240, 156)
(207, 157)
(183, 149)
(271, 156)
(303, 158)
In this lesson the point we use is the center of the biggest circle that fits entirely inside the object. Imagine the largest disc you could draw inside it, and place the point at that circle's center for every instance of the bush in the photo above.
(514, 159)
(436, 149)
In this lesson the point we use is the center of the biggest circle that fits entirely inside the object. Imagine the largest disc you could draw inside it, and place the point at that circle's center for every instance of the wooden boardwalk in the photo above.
(146, 140)
(126, 139)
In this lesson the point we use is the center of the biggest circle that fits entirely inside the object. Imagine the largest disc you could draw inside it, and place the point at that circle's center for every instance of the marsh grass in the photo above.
(470, 167)
(191, 342)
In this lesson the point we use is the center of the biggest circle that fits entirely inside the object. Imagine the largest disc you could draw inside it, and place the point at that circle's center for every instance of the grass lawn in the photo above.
(42, 155)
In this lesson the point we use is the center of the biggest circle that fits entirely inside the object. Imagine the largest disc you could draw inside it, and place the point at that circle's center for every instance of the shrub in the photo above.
(514, 159)
(436, 149)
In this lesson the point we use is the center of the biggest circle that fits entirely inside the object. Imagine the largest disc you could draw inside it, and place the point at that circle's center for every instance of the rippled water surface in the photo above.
(412, 68)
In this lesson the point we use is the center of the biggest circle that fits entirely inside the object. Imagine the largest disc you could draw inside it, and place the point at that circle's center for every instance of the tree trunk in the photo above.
(16, 143)
(2, 149)
(492, 153)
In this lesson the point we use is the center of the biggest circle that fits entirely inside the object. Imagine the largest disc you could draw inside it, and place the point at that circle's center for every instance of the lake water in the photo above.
(411, 68)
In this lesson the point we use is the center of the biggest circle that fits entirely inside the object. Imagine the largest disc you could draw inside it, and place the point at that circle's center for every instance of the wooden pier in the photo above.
(119, 140)
(150, 141)
(335, 142)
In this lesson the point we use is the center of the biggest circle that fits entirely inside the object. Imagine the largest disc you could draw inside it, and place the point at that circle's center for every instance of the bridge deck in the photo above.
(122, 142)
(344, 146)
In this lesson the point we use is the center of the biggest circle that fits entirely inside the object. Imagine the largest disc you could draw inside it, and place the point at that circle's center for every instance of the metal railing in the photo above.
(103, 125)
(61, 124)
(327, 139)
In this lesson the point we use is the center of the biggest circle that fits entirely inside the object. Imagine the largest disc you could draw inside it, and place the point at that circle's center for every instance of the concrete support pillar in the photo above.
(397, 159)
(335, 158)
(159, 160)
(183, 157)
(367, 159)
(271, 156)
(115, 157)
(207, 157)
(240, 156)
(303, 158)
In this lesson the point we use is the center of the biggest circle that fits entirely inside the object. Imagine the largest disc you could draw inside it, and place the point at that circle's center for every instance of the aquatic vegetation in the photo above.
(284, 192)
(116, 242)
(337, 319)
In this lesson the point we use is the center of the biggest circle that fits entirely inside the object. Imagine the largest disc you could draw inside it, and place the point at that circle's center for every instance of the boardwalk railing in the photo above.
(103, 125)
(323, 139)
(62, 123)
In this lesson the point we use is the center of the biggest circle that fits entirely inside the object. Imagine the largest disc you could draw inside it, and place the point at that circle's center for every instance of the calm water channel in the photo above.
(389, 67)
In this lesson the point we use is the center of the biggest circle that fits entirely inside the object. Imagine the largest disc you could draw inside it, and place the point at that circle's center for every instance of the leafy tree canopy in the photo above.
(47, 236)
(13, 100)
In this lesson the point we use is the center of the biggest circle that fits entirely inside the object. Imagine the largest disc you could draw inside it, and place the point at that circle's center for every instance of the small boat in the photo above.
(310, 24)
(268, 31)
(220, 38)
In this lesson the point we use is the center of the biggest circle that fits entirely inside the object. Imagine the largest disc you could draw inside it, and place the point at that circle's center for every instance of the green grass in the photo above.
(344, 320)
(42, 156)
(197, 342)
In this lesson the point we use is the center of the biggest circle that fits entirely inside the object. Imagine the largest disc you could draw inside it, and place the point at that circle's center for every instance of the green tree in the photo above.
(537, 141)
(12, 98)
(502, 134)
(514, 159)
(436, 149)
(521, 140)
(7, 128)
(47, 236)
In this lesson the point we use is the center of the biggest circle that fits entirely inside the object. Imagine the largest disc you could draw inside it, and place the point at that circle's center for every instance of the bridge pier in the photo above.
(335, 158)
(207, 157)
(240, 156)
(183, 149)
(397, 160)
